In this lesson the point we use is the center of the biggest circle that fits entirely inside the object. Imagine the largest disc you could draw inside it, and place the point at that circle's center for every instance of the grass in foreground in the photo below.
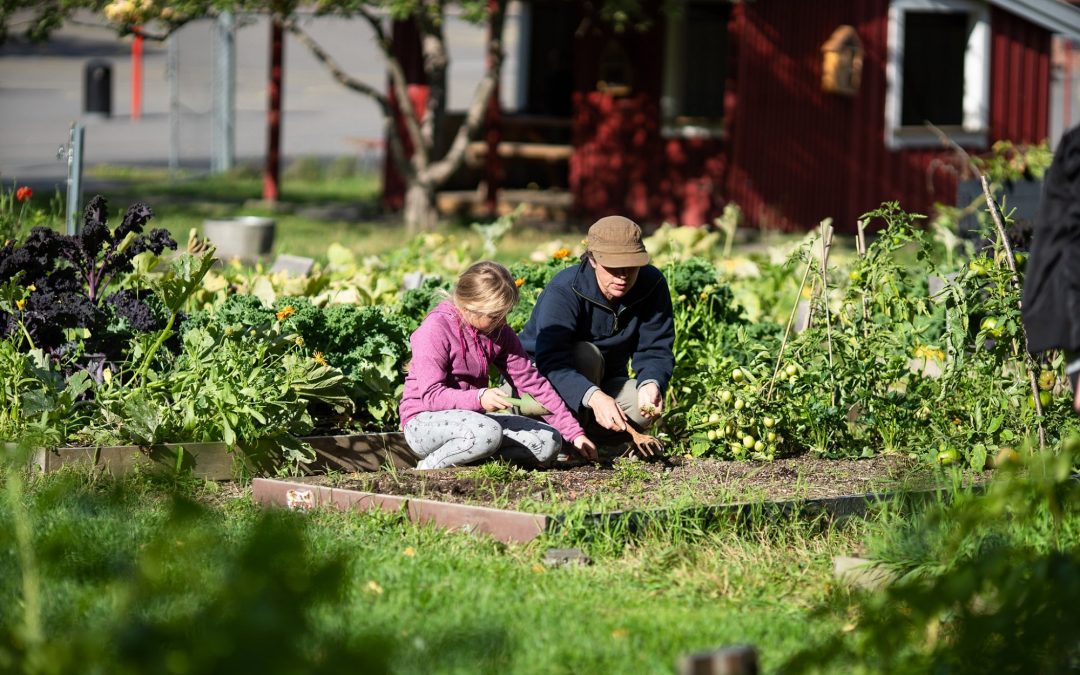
(136, 577)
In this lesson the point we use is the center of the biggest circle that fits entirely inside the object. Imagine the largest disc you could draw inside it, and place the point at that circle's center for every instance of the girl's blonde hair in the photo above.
(486, 287)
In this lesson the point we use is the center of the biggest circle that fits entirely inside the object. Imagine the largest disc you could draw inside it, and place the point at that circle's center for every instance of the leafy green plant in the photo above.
(987, 583)
(252, 389)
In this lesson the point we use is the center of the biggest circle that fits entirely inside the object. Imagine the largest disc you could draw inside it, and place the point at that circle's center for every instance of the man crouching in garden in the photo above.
(593, 321)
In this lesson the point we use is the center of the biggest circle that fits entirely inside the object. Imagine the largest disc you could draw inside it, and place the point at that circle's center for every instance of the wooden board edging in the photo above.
(214, 461)
(503, 525)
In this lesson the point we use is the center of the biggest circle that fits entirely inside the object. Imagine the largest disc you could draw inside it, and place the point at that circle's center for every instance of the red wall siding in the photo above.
(799, 155)
(1019, 80)
(792, 154)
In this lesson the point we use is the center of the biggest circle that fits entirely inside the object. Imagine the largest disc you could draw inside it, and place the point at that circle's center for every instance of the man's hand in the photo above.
(585, 447)
(607, 412)
(650, 400)
(493, 400)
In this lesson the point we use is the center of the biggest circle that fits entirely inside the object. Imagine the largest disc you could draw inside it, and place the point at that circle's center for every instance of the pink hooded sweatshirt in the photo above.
(450, 361)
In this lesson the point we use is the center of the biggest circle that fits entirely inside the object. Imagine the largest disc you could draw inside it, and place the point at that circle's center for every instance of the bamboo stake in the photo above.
(999, 225)
(826, 246)
(860, 248)
(787, 328)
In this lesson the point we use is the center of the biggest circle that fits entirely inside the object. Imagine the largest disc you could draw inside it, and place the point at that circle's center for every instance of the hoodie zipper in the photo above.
(622, 308)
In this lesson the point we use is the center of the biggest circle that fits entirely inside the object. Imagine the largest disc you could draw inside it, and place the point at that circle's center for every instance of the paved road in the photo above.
(41, 95)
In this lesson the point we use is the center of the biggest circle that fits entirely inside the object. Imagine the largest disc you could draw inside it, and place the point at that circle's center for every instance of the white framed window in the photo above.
(695, 68)
(938, 71)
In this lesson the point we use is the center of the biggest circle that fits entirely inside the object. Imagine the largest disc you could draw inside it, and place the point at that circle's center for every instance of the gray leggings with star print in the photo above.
(453, 437)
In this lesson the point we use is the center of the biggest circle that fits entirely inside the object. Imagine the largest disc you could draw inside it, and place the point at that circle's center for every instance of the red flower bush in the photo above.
(24, 193)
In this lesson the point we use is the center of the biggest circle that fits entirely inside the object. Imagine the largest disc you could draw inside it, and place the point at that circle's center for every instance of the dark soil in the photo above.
(633, 484)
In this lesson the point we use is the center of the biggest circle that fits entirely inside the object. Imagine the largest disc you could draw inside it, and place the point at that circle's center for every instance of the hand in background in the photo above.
(650, 400)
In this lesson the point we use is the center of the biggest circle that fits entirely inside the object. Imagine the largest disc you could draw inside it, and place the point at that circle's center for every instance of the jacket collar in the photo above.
(586, 286)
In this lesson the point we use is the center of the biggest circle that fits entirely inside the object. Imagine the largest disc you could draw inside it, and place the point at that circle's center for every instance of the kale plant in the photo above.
(69, 278)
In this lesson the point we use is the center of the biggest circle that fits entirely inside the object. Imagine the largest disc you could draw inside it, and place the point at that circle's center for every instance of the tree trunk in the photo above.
(421, 214)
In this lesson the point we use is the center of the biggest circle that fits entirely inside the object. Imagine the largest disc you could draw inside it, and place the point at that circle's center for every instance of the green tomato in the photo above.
(758, 446)
(855, 276)
(748, 441)
(791, 370)
(948, 456)
(739, 404)
(1047, 380)
(711, 434)
(738, 375)
(768, 422)
(725, 396)
(771, 436)
(992, 326)
(714, 418)
(1044, 399)
(980, 267)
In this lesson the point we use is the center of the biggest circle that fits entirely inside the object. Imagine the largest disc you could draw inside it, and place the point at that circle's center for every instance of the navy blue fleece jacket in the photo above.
(636, 330)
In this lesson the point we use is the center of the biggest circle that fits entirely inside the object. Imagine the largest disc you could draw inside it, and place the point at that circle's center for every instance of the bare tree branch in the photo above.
(442, 170)
(336, 71)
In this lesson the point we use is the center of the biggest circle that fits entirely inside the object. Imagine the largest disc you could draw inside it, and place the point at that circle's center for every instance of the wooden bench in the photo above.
(547, 152)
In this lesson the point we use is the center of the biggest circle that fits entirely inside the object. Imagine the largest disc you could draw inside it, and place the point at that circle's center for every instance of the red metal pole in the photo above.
(136, 75)
(271, 171)
(1066, 81)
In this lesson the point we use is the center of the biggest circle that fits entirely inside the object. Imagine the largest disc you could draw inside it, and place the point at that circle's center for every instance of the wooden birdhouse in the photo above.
(842, 61)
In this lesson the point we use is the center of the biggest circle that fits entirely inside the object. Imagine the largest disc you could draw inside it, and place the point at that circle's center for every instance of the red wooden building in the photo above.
(796, 110)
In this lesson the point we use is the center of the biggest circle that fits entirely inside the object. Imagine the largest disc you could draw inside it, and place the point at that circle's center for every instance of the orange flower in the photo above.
(519, 282)
(286, 312)
(317, 357)
(24, 193)
(561, 253)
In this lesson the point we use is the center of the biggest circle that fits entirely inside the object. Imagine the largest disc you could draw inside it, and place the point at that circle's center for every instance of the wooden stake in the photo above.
(787, 329)
(999, 225)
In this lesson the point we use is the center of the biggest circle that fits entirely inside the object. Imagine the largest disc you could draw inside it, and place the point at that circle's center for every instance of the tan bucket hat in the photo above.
(615, 241)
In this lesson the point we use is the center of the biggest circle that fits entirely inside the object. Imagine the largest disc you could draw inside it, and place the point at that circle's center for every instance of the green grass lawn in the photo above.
(317, 207)
(138, 577)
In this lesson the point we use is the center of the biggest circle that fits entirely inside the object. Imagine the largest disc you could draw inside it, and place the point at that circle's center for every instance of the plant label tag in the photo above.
(300, 500)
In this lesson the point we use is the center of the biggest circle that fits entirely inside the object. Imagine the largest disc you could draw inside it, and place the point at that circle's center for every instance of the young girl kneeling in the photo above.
(446, 407)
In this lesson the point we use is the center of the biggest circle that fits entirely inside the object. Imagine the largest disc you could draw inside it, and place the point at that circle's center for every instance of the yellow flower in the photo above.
(317, 357)
(519, 282)
(929, 352)
(20, 304)
(561, 253)
(286, 312)
(409, 552)
(374, 587)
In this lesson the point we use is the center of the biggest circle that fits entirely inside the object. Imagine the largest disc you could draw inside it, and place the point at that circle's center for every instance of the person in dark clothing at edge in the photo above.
(595, 320)
(1051, 300)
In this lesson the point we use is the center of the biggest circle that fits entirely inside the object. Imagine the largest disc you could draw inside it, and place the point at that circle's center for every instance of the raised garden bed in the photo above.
(214, 461)
(516, 505)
